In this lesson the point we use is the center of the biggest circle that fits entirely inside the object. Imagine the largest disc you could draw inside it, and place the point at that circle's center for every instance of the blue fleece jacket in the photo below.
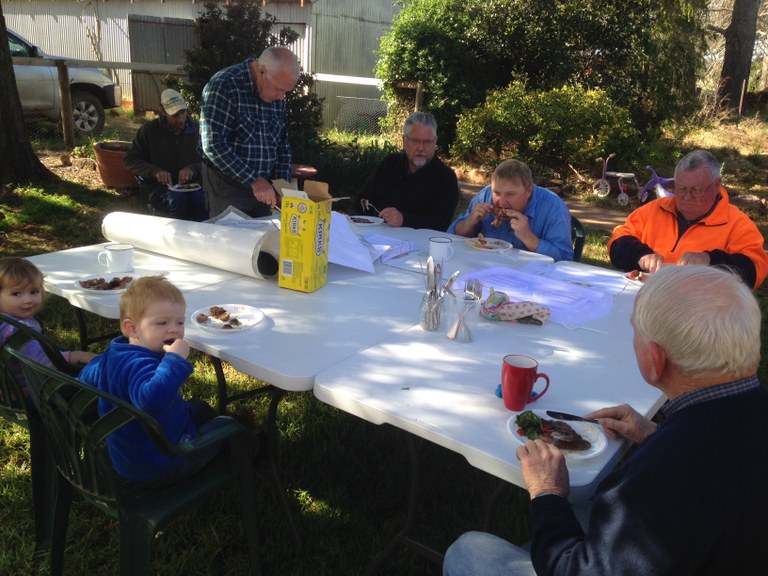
(151, 382)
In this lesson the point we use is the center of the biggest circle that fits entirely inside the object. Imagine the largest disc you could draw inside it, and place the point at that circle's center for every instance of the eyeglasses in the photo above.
(695, 192)
(419, 142)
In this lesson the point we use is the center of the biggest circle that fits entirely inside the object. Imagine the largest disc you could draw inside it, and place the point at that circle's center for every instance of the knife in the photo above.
(430, 274)
(571, 417)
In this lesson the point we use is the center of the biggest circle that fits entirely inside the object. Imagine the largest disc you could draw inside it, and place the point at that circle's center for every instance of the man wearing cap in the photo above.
(165, 155)
(244, 130)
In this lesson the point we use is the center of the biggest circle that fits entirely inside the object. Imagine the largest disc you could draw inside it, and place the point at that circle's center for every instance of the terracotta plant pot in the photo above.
(109, 162)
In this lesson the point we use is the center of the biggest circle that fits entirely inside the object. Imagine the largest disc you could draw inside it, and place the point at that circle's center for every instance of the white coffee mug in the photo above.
(440, 248)
(117, 257)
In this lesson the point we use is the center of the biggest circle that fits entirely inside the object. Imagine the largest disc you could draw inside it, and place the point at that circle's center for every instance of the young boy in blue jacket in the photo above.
(146, 366)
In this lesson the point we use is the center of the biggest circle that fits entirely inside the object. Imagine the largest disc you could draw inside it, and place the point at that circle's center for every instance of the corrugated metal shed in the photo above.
(356, 27)
(71, 28)
(337, 37)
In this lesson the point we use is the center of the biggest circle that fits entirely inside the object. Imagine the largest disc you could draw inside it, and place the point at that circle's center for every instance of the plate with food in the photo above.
(116, 283)
(106, 284)
(577, 440)
(637, 276)
(227, 317)
(483, 243)
(366, 220)
(189, 187)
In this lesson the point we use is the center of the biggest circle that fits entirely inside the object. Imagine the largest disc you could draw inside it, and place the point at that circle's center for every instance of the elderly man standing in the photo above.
(691, 499)
(244, 130)
(412, 188)
(165, 153)
(698, 225)
(514, 209)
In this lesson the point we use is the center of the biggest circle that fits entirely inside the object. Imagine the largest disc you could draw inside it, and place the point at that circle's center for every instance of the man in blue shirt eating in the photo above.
(514, 209)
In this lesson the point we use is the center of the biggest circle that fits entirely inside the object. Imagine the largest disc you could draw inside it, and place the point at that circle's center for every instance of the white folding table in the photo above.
(444, 391)
(300, 335)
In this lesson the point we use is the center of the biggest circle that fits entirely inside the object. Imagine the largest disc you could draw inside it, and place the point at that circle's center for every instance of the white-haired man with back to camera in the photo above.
(692, 497)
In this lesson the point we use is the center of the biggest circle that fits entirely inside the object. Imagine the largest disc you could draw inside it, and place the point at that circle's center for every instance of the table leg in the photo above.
(82, 329)
(491, 505)
(402, 538)
(276, 395)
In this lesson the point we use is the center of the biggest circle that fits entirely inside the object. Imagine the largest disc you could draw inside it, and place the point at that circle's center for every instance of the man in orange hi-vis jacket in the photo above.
(698, 225)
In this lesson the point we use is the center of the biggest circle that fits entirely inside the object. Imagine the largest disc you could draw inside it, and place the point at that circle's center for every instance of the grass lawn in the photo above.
(347, 479)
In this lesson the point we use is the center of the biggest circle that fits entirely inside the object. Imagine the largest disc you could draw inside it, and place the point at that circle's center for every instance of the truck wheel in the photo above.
(88, 113)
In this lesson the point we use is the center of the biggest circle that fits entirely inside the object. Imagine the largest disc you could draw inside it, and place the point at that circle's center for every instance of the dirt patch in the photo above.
(78, 170)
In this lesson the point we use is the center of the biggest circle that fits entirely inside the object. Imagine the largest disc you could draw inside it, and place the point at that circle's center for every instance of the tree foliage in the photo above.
(644, 54)
(230, 34)
(544, 128)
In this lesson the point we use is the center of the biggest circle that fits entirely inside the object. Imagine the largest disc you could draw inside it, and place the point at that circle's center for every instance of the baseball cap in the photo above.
(172, 102)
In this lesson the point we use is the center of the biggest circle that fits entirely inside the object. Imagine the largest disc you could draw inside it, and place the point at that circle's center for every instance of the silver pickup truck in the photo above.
(92, 91)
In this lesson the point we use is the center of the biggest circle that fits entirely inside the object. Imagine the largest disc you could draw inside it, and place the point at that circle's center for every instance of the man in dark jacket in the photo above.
(164, 154)
(691, 499)
(412, 188)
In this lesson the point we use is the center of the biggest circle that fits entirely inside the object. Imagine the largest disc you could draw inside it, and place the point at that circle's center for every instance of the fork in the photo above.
(367, 205)
(473, 288)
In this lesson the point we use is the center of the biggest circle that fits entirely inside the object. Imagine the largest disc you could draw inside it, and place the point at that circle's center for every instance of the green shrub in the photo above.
(345, 161)
(497, 129)
(568, 125)
(643, 54)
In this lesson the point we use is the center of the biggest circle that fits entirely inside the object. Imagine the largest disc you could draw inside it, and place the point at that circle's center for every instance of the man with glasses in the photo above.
(244, 130)
(412, 188)
(698, 225)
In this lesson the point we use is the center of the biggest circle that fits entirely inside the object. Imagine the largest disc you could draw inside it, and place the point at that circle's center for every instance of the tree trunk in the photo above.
(18, 162)
(739, 46)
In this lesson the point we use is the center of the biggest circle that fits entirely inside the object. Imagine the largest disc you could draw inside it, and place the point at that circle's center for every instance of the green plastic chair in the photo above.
(78, 435)
(15, 410)
(577, 237)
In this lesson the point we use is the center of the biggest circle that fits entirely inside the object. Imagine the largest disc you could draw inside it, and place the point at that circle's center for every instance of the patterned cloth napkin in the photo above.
(499, 307)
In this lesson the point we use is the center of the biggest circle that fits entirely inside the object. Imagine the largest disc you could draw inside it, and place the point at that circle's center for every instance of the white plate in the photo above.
(107, 278)
(366, 220)
(192, 187)
(590, 432)
(639, 280)
(247, 315)
(490, 244)
(134, 274)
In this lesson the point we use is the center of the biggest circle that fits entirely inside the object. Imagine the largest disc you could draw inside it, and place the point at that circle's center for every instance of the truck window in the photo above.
(18, 48)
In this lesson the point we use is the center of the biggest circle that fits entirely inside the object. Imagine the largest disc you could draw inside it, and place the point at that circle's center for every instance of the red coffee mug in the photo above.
(518, 374)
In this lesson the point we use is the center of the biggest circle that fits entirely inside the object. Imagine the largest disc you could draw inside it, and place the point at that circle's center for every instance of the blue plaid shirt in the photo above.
(243, 136)
(711, 393)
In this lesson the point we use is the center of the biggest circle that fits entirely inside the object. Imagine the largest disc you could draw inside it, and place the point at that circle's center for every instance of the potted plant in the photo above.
(109, 162)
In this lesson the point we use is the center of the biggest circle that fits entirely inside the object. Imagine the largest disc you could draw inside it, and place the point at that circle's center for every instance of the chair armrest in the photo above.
(227, 433)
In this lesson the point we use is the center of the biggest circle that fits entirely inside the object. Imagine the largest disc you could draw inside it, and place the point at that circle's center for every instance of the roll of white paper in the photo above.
(246, 251)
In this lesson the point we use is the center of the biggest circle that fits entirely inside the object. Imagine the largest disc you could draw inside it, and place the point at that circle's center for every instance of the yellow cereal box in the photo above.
(304, 235)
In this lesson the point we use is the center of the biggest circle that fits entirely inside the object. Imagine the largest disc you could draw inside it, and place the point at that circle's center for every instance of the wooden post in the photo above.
(743, 91)
(419, 95)
(67, 120)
